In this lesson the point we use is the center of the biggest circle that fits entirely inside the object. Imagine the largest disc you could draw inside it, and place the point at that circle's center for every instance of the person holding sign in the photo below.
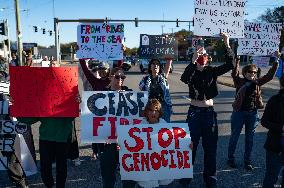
(245, 107)
(157, 85)
(109, 155)
(202, 121)
(273, 120)
(153, 114)
(98, 77)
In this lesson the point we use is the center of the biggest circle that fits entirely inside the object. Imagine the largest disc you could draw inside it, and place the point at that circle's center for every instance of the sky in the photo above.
(40, 13)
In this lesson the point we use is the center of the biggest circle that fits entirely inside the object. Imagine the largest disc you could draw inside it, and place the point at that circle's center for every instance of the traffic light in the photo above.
(3, 29)
(177, 23)
(35, 28)
(43, 31)
(50, 33)
(136, 22)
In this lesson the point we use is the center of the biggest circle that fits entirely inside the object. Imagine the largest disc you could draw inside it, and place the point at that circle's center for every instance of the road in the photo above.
(88, 173)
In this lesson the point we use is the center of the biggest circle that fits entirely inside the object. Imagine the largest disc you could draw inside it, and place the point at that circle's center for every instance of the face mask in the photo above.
(201, 60)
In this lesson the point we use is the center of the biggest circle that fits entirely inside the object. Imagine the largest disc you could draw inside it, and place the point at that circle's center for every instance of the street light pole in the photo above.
(19, 33)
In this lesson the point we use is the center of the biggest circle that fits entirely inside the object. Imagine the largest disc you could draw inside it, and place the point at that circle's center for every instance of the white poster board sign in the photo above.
(155, 152)
(3, 162)
(261, 62)
(45, 63)
(261, 39)
(101, 41)
(103, 111)
(213, 17)
(4, 87)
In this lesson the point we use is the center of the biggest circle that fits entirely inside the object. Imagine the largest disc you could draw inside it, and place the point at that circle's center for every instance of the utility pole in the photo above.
(19, 33)
(9, 44)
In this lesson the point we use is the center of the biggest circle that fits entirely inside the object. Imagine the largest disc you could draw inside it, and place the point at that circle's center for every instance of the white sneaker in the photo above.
(77, 162)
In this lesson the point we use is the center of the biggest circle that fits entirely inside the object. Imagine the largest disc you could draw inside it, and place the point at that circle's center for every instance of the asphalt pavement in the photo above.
(88, 173)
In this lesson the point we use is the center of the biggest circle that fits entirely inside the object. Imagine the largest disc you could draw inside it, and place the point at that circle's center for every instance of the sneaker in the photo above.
(231, 163)
(248, 166)
(77, 162)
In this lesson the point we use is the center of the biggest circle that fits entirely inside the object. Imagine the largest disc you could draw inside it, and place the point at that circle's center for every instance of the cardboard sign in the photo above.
(261, 62)
(155, 152)
(8, 131)
(4, 87)
(157, 46)
(260, 39)
(45, 64)
(3, 162)
(213, 17)
(44, 92)
(101, 41)
(103, 111)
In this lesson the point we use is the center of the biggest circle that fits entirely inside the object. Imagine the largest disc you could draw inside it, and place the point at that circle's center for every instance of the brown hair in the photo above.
(247, 68)
(151, 62)
(153, 103)
(115, 70)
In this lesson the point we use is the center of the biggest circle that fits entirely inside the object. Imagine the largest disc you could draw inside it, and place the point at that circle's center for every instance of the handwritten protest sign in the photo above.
(102, 41)
(3, 162)
(4, 87)
(261, 62)
(213, 17)
(8, 131)
(155, 152)
(45, 63)
(102, 111)
(260, 39)
(157, 46)
(44, 92)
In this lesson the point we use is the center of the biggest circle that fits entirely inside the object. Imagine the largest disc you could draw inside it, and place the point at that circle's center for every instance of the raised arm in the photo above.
(236, 72)
(89, 75)
(271, 72)
(229, 58)
(168, 67)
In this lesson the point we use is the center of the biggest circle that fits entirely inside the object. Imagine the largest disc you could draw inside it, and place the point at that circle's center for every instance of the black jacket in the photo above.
(273, 120)
(204, 83)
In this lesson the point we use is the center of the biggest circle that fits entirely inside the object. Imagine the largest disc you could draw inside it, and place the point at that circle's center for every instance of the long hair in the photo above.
(150, 63)
(247, 68)
(153, 103)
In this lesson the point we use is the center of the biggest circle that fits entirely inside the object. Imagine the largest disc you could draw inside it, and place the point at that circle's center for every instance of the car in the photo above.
(143, 64)
(125, 64)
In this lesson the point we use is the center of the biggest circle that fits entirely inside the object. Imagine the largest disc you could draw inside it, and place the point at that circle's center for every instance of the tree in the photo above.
(274, 16)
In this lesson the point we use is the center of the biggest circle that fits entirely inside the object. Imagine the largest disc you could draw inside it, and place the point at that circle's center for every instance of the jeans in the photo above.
(238, 119)
(109, 162)
(274, 163)
(167, 112)
(202, 122)
(50, 150)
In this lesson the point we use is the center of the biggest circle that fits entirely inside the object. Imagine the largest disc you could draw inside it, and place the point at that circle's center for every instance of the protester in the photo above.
(202, 119)
(153, 113)
(273, 120)
(29, 60)
(157, 85)
(14, 61)
(98, 77)
(109, 156)
(15, 171)
(3, 64)
(245, 107)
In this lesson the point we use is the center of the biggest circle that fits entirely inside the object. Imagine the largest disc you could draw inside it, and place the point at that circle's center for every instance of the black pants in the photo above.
(50, 150)
(15, 171)
(109, 162)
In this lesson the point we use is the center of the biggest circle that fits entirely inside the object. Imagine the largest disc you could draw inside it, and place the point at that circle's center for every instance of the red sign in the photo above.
(44, 91)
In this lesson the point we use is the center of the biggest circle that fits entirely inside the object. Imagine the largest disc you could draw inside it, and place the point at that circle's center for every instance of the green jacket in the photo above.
(52, 129)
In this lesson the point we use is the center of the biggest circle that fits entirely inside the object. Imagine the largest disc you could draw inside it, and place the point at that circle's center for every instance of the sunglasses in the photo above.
(252, 72)
(120, 77)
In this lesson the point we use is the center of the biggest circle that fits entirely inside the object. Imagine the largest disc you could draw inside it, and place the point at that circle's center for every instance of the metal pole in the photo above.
(57, 47)
(19, 33)
(9, 44)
